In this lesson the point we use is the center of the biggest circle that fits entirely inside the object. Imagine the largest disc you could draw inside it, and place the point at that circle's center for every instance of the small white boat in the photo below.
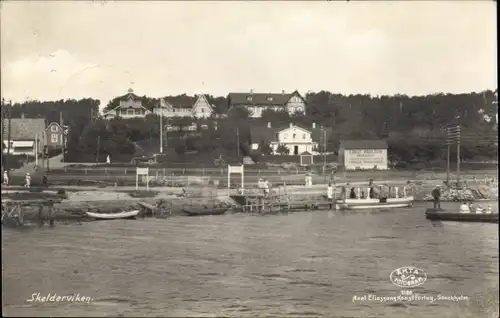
(113, 216)
(360, 204)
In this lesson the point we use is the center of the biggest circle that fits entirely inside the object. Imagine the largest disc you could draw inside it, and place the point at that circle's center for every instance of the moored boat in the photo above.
(196, 211)
(442, 215)
(113, 216)
(383, 203)
(394, 199)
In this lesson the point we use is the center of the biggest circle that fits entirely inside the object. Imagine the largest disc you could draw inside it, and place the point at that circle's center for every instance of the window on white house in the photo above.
(54, 138)
(130, 111)
(203, 110)
(53, 128)
(293, 136)
(123, 111)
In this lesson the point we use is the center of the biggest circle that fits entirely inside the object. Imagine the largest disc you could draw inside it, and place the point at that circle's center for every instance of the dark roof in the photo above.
(260, 99)
(130, 95)
(24, 128)
(181, 101)
(363, 144)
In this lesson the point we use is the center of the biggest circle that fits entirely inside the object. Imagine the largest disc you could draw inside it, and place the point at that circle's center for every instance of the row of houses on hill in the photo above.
(29, 134)
(131, 105)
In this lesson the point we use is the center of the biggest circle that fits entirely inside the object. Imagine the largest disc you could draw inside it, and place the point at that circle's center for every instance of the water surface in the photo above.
(298, 265)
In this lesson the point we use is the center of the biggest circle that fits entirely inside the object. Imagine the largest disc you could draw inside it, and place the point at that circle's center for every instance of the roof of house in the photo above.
(267, 134)
(363, 144)
(260, 99)
(24, 128)
(130, 95)
(183, 101)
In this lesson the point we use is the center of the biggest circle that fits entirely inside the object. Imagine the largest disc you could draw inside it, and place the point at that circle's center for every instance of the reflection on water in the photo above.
(298, 265)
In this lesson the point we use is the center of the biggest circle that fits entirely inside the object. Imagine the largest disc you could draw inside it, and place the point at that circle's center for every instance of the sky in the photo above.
(58, 50)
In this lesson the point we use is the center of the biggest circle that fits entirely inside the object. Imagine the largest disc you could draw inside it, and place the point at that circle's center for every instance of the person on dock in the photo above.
(488, 209)
(45, 181)
(464, 208)
(343, 192)
(329, 191)
(266, 187)
(352, 195)
(5, 177)
(373, 193)
(436, 194)
(108, 159)
(28, 180)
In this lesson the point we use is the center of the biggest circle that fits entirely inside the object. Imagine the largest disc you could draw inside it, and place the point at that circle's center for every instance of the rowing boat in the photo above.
(191, 211)
(113, 216)
(433, 214)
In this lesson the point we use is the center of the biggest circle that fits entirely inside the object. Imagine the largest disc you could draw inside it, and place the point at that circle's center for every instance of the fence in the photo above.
(218, 176)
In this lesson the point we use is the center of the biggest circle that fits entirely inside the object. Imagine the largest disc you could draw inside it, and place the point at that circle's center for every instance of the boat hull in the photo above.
(113, 216)
(440, 215)
(202, 212)
(364, 204)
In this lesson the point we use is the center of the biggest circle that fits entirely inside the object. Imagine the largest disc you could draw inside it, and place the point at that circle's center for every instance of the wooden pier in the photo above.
(14, 210)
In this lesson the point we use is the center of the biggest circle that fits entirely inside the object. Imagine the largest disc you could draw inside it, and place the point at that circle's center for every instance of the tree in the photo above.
(265, 148)
(282, 150)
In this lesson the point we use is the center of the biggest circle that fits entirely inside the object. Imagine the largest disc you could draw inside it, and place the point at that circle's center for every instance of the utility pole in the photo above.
(324, 150)
(98, 148)
(238, 141)
(453, 136)
(36, 149)
(161, 131)
(63, 139)
(9, 135)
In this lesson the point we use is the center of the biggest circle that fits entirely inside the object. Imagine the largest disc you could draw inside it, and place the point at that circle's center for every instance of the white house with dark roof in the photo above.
(185, 106)
(363, 154)
(130, 106)
(256, 103)
(297, 139)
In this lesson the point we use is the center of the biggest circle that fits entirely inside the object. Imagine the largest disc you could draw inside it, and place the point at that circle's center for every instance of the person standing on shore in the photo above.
(330, 191)
(5, 178)
(28, 181)
(436, 194)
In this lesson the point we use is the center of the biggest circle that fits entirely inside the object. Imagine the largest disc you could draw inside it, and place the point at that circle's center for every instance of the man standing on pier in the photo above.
(436, 194)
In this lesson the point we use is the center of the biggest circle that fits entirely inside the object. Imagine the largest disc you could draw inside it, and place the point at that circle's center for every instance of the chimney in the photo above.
(251, 90)
(269, 125)
(314, 125)
(291, 125)
(283, 92)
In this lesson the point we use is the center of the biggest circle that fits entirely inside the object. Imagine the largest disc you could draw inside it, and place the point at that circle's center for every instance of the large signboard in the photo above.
(366, 158)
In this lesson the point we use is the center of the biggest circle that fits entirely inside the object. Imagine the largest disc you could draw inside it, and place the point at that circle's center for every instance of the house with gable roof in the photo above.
(130, 106)
(185, 106)
(256, 103)
(296, 138)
